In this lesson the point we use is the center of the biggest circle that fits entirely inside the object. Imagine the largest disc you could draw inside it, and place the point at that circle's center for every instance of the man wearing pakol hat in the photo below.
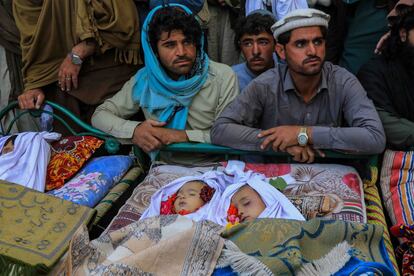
(180, 90)
(304, 105)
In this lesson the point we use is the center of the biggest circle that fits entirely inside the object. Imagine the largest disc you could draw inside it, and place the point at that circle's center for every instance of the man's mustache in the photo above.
(178, 60)
(311, 59)
(256, 59)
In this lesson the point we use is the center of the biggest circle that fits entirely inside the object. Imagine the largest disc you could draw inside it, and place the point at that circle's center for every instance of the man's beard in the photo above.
(406, 55)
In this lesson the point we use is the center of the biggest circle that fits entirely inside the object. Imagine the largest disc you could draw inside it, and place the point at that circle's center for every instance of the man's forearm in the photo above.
(399, 131)
(235, 136)
(355, 139)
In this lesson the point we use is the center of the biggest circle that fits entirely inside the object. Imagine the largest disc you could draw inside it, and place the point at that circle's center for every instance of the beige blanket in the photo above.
(166, 245)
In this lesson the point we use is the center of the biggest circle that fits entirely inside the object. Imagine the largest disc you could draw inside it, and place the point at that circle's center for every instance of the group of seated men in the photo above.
(294, 102)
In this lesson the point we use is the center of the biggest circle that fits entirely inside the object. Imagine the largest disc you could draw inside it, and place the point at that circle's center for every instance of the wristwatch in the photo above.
(76, 59)
(302, 137)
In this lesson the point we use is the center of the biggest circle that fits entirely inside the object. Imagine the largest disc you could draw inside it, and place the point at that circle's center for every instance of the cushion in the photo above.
(67, 156)
(397, 185)
(93, 182)
(35, 229)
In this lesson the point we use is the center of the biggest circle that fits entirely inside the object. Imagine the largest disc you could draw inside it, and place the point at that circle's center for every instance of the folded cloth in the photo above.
(163, 245)
(35, 229)
(27, 163)
(287, 246)
(277, 204)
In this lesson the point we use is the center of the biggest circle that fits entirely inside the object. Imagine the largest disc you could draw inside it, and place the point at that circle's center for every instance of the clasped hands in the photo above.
(151, 135)
(284, 138)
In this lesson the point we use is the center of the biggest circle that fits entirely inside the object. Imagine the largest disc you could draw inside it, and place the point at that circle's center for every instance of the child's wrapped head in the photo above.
(188, 199)
(8, 145)
(248, 203)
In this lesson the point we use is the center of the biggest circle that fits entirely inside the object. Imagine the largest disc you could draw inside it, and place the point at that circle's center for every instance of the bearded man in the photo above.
(389, 79)
(304, 105)
(180, 90)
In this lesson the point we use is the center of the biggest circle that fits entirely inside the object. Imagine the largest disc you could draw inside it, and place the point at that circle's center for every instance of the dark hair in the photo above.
(253, 24)
(168, 19)
(393, 45)
(285, 37)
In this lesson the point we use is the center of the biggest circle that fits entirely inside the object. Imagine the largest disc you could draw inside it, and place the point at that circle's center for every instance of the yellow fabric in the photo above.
(375, 212)
(49, 29)
(36, 228)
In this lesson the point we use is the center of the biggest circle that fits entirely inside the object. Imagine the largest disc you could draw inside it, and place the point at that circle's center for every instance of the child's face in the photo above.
(8, 147)
(248, 202)
(188, 197)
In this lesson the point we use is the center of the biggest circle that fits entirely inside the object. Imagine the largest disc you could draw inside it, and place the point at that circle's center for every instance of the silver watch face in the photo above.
(76, 59)
(302, 139)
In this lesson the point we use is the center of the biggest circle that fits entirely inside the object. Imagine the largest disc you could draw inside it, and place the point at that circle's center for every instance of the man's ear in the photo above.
(403, 35)
(280, 50)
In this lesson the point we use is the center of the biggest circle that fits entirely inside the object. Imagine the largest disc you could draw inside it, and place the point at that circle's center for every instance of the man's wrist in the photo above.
(302, 136)
(310, 136)
(84, 49)
(183, 136)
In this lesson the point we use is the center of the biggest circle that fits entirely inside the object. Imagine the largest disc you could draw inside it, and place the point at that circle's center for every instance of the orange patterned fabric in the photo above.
(68, 156)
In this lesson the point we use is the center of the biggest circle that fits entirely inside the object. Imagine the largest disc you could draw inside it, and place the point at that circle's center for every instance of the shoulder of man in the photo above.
(238, 67)
(221, 70)
(377, 63)
(337, 74)
(269, 78)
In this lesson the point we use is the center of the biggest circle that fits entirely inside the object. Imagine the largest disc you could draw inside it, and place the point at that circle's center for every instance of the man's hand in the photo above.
(304, 154)
(380, 45)
(169, 136)
(31, 99)
(279, 138)
(68, 74)
(145, 135)
(150, 135)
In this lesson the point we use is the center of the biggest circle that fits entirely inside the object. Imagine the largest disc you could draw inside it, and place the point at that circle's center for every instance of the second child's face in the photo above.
(188, 197)
(249, 203)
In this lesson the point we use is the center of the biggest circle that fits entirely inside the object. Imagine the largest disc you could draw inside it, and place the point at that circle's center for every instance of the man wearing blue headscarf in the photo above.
(180, 91)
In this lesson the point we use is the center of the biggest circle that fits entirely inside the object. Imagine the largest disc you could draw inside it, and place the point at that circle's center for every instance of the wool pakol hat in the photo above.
(300, 18)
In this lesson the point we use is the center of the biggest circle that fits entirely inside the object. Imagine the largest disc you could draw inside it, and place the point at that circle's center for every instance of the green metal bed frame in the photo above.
(111, 144)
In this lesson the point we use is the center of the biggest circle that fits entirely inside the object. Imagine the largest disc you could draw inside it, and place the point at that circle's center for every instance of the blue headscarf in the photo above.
(162, 96)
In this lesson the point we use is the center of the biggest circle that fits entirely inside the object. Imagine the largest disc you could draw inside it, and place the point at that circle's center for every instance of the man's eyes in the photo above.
(169, 45)
(300, 44)
(318, 41)
(188, 42)
(263, 42)
(246, 203)
(248, 44)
